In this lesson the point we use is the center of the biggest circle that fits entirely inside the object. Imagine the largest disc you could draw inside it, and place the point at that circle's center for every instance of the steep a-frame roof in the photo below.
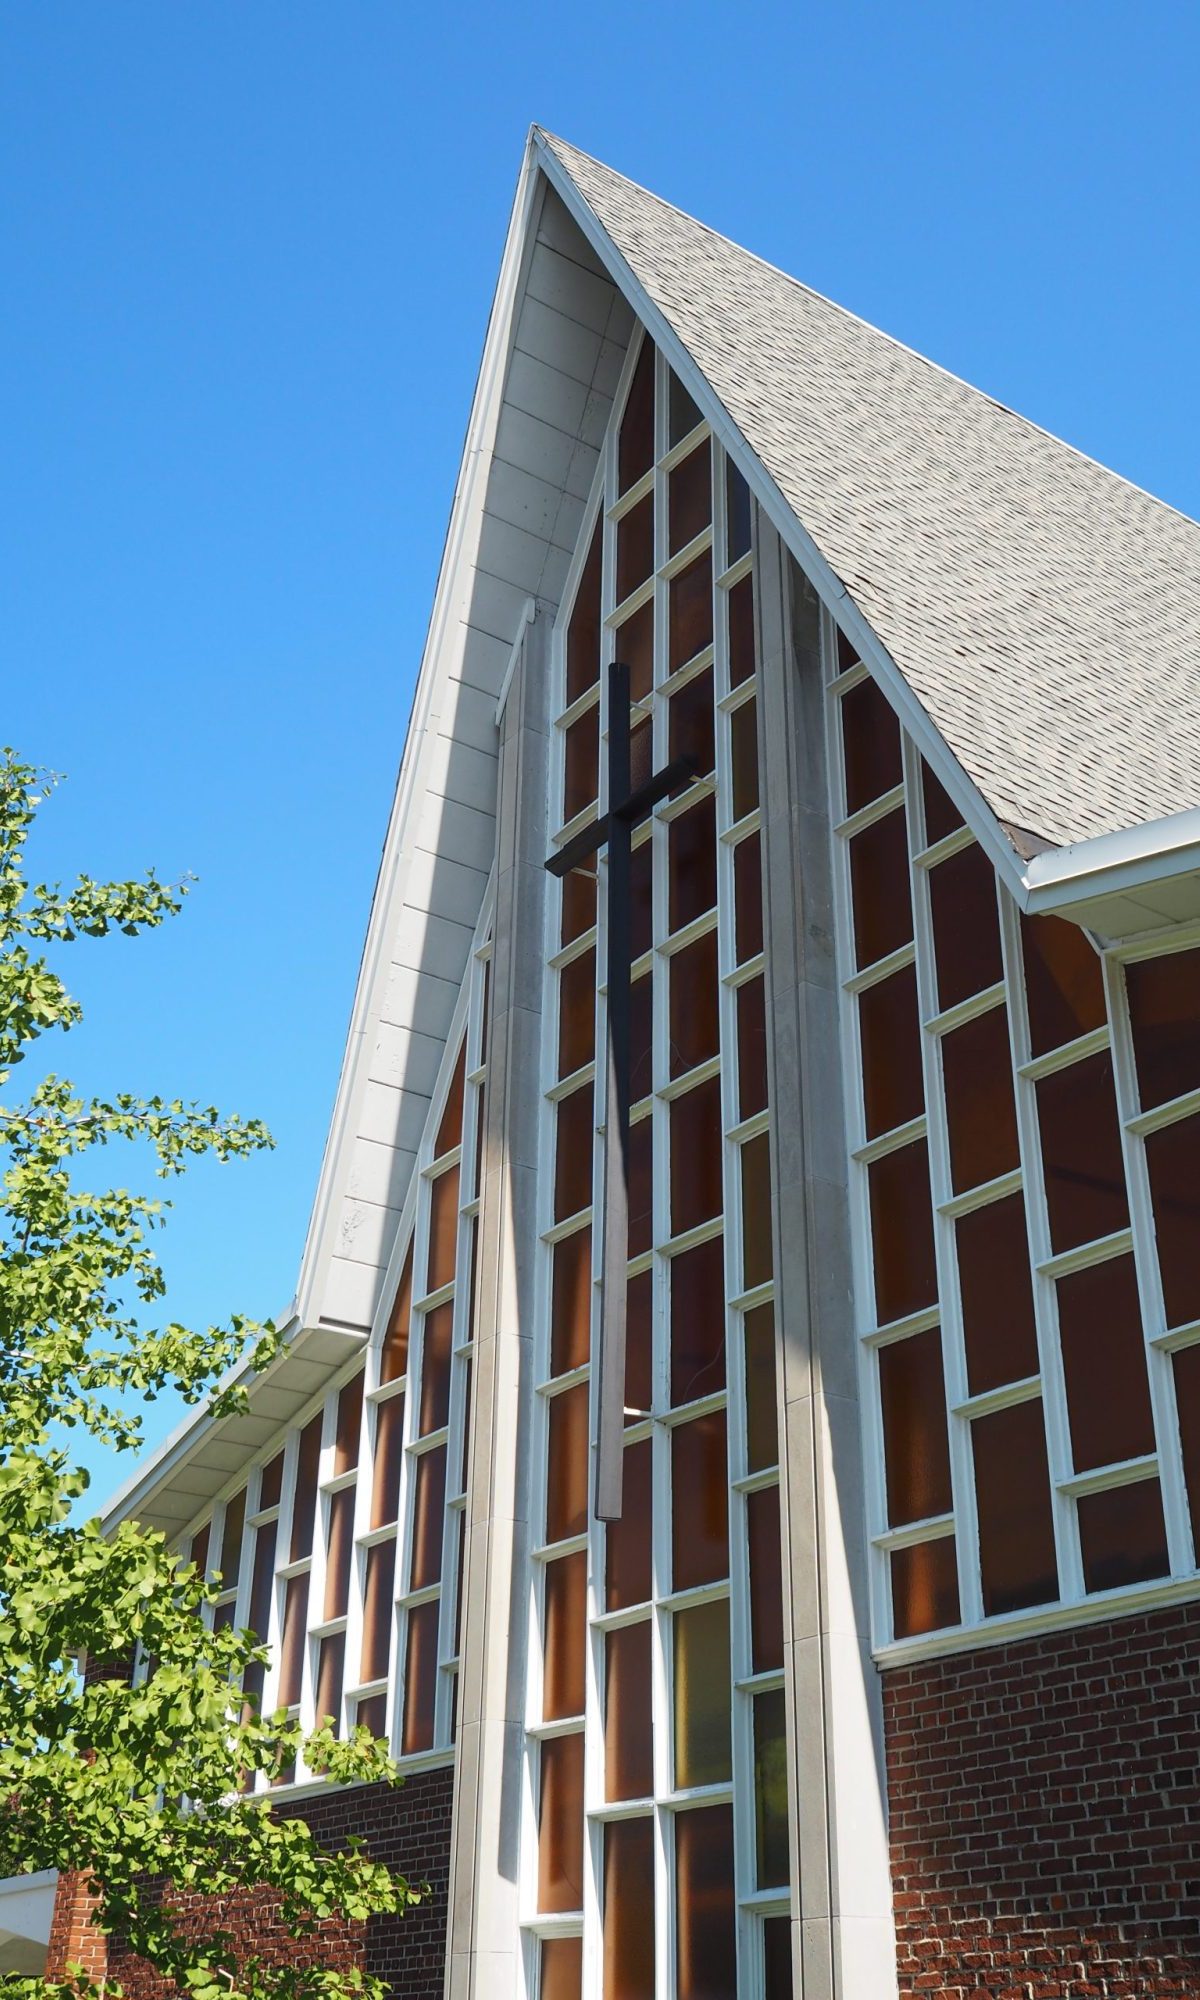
(1045, 612)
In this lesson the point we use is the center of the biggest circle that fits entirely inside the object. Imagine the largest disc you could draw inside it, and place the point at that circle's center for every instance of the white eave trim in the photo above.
(1112, 864)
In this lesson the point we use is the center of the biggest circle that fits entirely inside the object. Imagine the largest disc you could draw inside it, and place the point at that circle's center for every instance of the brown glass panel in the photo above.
(304, 1501)
(847, 653)
(641, 751)
(966, 925)
(981, 1114)
(941, 814)
(393, 1358)
(766, 1579)
(567, 1468)
(566, 1633)
(924, 1588)
(871, 745)
(627, 1541)
(581, 762)
(890, 1036)
(997, 1294)
(902, 1233)
(762, 1419)
(641, 1186)
(389, 1445)
(771, 1790)
(570, 1321)
(629, 1910)
(466, 1427)
(198, 1552)
(1012, 1491)
(340, 1548)
(737, 514)
(561, 1976)
(692, 862)
(583, 632)
(229, 1560)
(698, 1322)
(573, 1153)
(578, 902)
(915, 1449)
(641, 899)
(1123, 1536)
(747, 898)
(639, 1353)
(641, 1038)
(1173, 1162)
(702, 1695)
(429, 1512)
(291, 1648)
(741, 632)
(689, 498)
(633, 642)
(349, 1426)
(690, 731)
(1081, 1153)
(880, 890)
(372, 1715)
(635, 441)
(1063, 983)
(700, 1503)
(420, 1679)
(689, 612)
(704, 1903)
(752, 1047)
(635, 547)
(777, 1958)
(560, 1825)
(331, 1667)
(443, 1228)
(1104, 1362)
(577, 1013)
(449, 1133)
(437, 1340)
(378, 1591)
(1187, 1400)
(1164, 1010)
(628, 1729)
(682, 413)
(743, 747)
(694, 1017)
(756, 1211)
(696, 1193)
(270, 1485)
(262, 1582)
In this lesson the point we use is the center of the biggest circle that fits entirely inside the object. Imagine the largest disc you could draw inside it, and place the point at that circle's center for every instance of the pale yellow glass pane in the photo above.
(702, 1695)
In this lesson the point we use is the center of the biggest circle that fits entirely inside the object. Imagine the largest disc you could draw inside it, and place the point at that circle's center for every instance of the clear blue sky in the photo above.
(249, 248)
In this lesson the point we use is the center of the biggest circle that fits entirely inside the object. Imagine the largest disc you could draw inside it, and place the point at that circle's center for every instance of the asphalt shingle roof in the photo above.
(1044, 611)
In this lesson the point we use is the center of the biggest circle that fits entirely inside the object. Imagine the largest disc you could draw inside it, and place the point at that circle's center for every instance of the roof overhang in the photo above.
(26, 1910)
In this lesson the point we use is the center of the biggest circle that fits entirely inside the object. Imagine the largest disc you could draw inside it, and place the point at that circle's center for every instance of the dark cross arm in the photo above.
(680, 771)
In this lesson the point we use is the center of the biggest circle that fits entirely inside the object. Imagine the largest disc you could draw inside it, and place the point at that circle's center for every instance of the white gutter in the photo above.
(1118, 863)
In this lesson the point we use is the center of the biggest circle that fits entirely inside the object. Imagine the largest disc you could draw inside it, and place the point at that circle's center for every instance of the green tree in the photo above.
(136, 1784)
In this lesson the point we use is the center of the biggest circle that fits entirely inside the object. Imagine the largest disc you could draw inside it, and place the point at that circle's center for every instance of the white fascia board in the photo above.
(1112, 864)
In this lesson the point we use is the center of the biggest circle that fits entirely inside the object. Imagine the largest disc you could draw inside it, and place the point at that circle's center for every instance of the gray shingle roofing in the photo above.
(1044, 611)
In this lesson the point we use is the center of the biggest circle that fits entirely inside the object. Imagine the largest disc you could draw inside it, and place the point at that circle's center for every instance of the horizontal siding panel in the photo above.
(560, 282)
(405, 1060)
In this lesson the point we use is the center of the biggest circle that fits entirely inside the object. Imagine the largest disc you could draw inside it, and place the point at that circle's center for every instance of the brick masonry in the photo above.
(1045, 1815)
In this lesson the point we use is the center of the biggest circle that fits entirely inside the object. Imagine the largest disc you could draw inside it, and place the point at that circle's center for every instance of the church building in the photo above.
(739, 1439)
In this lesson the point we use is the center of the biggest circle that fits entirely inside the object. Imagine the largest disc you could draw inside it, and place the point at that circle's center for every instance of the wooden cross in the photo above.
(625, 808)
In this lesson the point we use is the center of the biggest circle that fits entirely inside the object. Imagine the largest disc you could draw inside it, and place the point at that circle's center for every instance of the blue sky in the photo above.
(249, 249)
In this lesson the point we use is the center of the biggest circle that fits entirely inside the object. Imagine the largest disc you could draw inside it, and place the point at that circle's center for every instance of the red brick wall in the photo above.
(1045, 1815)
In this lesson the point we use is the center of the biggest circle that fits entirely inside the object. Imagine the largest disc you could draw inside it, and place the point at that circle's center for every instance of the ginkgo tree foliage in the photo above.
(146, 1786)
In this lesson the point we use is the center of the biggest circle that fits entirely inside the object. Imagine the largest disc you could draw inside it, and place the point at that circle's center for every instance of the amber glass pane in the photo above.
(1063, 983)
(890, 1036)
(571, 1303)
(771, 1790)
(737, 514)
(1173, 1160)
(627, 1541)
(743, 746)
(1164, 1009)
(702, 1695)
(641, 1038)
(291, 1649)
(747, 887)
(1012, 1491)
(705, 1916)
(756, 1211)
(393, 1358)
(752, 1047)
(762, 1420)
(581, 762)
(331, 1666)
(629, 1910)
(372, 1714)
(378, 1590)
(1123, 1536)
(641, 903)
(633, 643)
(420, 1679)
(641, 751)
(766, 1579)
(880, 890)
(567, 1468)
(941, 814)
(583, 632)
(578, 902)
(635, 442)
(847, 653)
(449, 1133)
(916, 1453)
(429, 1510)
(698, 1321)
(340, 1547)
(389, 1441)
(349, 1424)
(871, 745)
(577, 1013)
(443, 1228)
(682, 413)
(262, 1580)
(700, 1506)
(741, 632)
(777, 1958)
(198, 1552)
(997, 1294)
(689, 612)
(641, 1186)
(1104, 1361)
(924, 1588)
(1187, 1399)
(695, 1024)
(966, 925)
(566, 1631)
(235, 1518)
(689, 498)
(1081, 1153)
(635, 547)
(271, 1483)
(560, 1825)
(981, 1115)
(573, 1153)
(436, 1343)
(304, 1502)
(561, 1969)
(902, 1233)
(692, 862)
(696, 1156)
(690, 730)
(639, 1352)
(628, 1731)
